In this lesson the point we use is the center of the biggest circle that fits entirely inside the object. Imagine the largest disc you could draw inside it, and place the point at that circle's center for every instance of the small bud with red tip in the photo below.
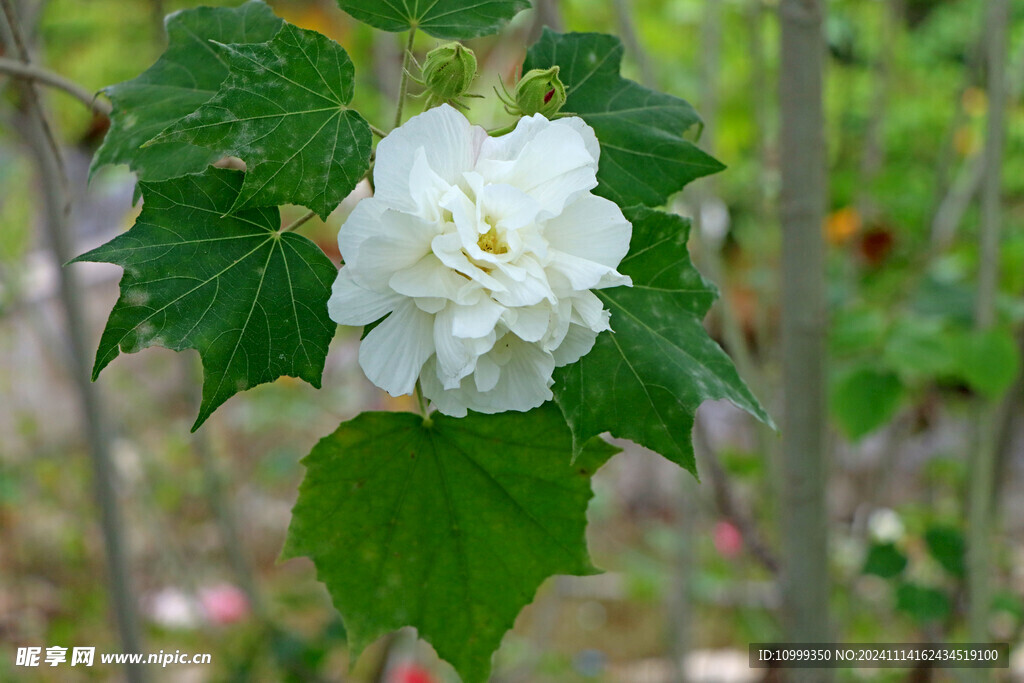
(539, 91)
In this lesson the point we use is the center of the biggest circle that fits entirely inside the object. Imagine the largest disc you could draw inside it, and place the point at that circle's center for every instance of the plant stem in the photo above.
(804, 513)
(46, 77)
(404, 85)
(377, 131)
(421, 402)
(298, 222)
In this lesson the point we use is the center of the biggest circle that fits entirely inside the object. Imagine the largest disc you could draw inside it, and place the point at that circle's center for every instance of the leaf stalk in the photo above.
(298, 222)
(404, 85)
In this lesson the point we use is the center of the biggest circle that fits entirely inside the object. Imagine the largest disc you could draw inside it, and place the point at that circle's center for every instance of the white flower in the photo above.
(483, 251)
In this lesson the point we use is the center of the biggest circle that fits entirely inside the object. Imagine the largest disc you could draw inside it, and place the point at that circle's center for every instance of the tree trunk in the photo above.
(980, 511)
(804, 576)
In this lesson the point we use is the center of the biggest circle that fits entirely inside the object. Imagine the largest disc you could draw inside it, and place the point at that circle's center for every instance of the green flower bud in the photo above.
(540, 91)
(448, 71)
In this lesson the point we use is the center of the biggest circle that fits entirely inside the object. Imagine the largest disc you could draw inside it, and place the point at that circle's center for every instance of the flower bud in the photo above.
(540, 91)
(448, 71)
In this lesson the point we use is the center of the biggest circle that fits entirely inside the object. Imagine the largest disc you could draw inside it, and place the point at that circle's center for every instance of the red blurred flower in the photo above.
(728, 539)
(224, 604)
(411, 673)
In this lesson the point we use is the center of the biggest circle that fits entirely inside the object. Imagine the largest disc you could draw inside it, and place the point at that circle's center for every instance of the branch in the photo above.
(725, 501)
(38, 136)
(40, 75)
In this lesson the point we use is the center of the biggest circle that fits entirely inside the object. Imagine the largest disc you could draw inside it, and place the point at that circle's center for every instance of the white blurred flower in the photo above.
(483, 251)
(885, 526)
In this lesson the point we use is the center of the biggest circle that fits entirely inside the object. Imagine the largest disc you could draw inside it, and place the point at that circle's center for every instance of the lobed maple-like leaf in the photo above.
(284, 111)
(451, 19)
(447, 526)
(644, 155)
(251, 299)
(187, 74)
(645, 380)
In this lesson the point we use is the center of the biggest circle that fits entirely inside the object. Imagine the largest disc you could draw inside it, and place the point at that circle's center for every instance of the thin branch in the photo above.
(12, 35)
(38, 136)
(377, 131)
(725, 501)
(404, 85)
(298, 222)
(45, 77)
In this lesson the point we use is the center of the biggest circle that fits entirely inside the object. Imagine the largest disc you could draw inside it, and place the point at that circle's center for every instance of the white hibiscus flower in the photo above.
(482, 253)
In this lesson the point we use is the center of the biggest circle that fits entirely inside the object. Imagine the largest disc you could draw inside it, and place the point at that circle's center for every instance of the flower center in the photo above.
(491, 242)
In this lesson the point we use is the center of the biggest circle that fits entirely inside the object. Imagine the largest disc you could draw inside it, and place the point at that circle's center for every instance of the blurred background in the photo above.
(691, 567)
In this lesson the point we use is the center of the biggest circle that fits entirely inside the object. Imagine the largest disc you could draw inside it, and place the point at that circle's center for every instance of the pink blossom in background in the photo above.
(728, 539)
(224, 604)
(410, 673)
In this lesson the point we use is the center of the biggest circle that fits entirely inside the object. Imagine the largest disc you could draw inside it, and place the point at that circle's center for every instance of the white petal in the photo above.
(526, 293)
(351, 304)
(585, 132)
(588, 310)
(549, 161)
(454, 358)
(447, 402)
(426, 187)
(509, 206)
(581, 273)
(428, 277)
(487, 374)
(476, 320)
(524, 381)
(401, 240)
(529, 323)
(394, 352)
(361, 224)
(592, 228)
(451, 145)
(430, 304)
(577, 343)
(448, 248)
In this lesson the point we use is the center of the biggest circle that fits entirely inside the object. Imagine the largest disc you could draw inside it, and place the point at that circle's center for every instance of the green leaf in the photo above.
(644, 158)
(856, 330)
(452, 19)
(988, 360)
(186, 75)
(645, 380)
(864, 399)
(884, 560)
(447, 526)
(920, 347)
(946, 545)
(251, 300)
(922, 603)
(283, 110)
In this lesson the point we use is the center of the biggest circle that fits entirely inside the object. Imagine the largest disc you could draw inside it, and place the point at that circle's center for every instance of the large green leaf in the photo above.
(250, 299)
(284, 111)
(988, 360)
(864, 399)
(447, 526)
(644, 158)
(645, 380)
(186, 75)
(440, 18)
